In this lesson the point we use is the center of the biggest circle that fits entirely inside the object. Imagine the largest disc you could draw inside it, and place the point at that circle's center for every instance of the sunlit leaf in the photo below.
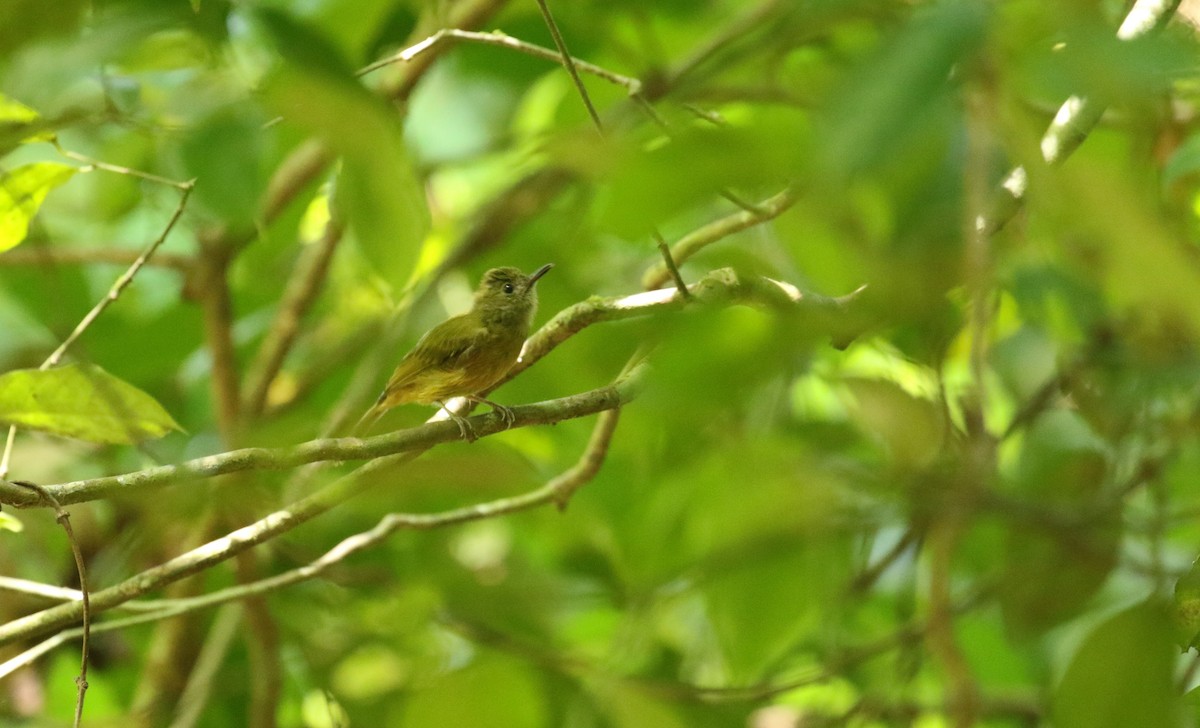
(9, 522)
(19, 123)
(21, 194)
(81, 401)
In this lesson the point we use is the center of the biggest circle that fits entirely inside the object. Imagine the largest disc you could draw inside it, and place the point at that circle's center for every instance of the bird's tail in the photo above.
(369, 418)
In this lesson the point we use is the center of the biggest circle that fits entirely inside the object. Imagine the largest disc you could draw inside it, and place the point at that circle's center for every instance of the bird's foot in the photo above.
(464, 427)
(506, 414)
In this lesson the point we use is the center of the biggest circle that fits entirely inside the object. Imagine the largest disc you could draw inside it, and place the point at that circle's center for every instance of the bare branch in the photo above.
(93, 163)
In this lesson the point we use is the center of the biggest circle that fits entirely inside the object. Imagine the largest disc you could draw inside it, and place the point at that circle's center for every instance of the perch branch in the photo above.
(721, 285)
(326, 498)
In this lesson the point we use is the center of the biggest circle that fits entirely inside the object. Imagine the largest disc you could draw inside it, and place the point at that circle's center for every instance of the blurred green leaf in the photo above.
(19, 123)
(648, 187)
(1122, 674)
(490, 692)
(23, 21)
(1025, 361)
(628, 707)
(231, 191)
(383, 200)
(887, 98)
(81, 401)
(1054, 565)
(21, 194)
(912, 428)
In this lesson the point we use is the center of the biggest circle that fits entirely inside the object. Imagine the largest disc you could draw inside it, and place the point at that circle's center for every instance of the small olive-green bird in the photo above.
(468, 353)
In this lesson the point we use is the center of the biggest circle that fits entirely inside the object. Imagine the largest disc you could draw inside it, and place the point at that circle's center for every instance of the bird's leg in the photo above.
(464, 425)
(506, 413)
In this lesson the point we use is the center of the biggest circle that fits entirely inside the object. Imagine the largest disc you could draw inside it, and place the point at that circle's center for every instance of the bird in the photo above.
(466, 354)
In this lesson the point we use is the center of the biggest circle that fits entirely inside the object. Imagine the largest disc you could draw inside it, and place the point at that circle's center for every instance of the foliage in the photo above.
(962, 495)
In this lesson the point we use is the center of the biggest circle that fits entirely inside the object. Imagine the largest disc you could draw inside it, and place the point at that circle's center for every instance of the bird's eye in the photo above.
(508, 288)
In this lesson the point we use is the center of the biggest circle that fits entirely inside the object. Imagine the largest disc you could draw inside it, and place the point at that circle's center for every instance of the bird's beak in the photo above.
(538, 274)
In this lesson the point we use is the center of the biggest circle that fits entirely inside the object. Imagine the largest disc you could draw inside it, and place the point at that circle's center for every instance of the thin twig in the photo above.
(668, 261)
(27, 657)
(66, 594)
(208, 664)
(113, 294)
(702, 237)
(64, 520)
(871, 574)
(212, 288)
(582, 472)
(302, 289)
(123, 281)
(499, 39)
(119, 169)
(569, 63)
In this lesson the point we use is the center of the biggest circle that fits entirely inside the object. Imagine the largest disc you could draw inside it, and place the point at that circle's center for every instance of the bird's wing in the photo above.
(448, 343)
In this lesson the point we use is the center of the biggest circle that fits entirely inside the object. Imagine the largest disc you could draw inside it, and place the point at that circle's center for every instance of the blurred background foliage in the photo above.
(981, 511)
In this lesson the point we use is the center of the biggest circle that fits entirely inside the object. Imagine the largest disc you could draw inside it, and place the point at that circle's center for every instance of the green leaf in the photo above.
(646, 188)
(1051, 572)
(492, 692)
(21, 194)
(912, 428)
(82, 401)
(1122, 674)
(12, 110)
(378, 189)
(888, 100)
(19, 123)
(230, 190)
